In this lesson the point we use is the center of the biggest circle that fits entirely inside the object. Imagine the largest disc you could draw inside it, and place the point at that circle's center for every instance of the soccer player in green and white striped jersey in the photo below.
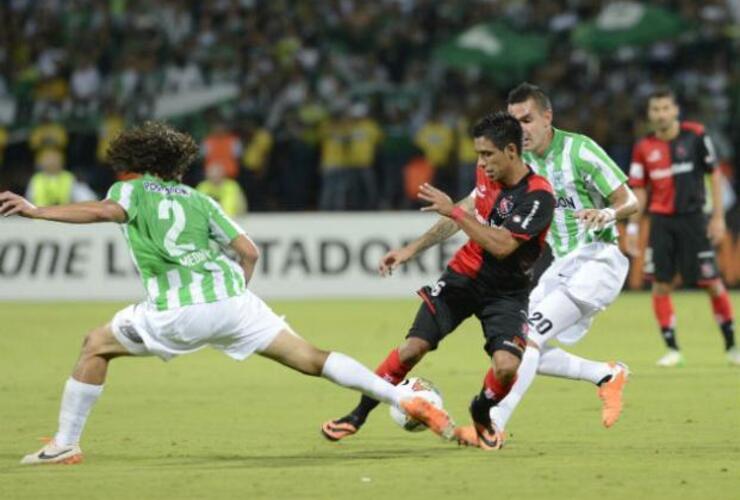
(196, 295)
(588, 269)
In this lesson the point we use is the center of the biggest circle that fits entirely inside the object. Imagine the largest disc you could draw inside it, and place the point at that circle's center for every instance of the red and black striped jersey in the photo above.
(673, 171)
(526, 210)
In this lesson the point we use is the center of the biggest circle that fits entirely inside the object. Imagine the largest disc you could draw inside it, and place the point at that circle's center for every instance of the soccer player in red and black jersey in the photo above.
(668, 168)
(506, 218)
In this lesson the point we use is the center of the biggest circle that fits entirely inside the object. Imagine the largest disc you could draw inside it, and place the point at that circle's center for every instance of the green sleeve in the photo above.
(222, 228)
(593, 161)
(125, 193)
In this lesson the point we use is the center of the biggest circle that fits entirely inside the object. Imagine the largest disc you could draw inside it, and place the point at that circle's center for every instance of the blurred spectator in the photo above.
(48, 135)
(467, 158)
(436, 139)
(224, 190)
(223, 147)
(53, 185)
(258, 147)
(395, 152)
(335, 183)
(288, 62)
(364, 136)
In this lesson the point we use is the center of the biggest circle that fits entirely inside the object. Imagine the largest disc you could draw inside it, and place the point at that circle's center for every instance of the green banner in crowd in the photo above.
(628, 23)
(503, 53)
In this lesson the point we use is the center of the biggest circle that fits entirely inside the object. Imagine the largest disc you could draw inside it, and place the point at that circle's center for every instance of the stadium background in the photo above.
(346, 105)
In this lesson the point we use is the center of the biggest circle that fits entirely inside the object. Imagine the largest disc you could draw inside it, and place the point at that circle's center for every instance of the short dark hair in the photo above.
(525, 91)
(154, 148)
(501, 129)
(660, 93)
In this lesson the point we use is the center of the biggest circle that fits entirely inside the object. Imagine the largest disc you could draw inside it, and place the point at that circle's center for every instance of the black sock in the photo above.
(367, 404)
(481, 406)
(728, 333)
(669, 336)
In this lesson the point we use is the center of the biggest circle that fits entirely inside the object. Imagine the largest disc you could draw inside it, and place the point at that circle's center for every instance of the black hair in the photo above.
(154, 148)
(525, 91)
(662, 92)
(501, 129)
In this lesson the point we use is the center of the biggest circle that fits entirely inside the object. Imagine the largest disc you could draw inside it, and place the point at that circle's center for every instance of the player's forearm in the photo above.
(495, 240)
(641, 198)
(444, 229)
(716, 186)
(624, 203)
(81, 213)
(247, 254)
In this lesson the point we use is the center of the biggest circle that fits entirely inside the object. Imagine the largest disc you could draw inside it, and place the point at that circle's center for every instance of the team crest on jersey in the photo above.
(680, 152)
(505, 206)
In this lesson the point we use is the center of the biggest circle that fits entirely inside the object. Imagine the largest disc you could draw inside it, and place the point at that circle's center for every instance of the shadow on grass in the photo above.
(254, 460)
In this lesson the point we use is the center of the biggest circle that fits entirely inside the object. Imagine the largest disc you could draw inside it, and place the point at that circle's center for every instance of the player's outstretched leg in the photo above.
(497, 383)
(610, 378)
(295, 352)
(393, 369)
(81, 391)
(722, 309)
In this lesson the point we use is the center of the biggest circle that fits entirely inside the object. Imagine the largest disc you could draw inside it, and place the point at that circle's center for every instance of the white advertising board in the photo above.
(303, 256)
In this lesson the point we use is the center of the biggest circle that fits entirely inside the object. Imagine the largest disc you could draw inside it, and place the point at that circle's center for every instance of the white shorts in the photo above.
(237, 326)
(591, 276)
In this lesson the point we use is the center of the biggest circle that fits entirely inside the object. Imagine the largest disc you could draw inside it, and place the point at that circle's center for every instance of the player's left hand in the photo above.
(595, 218)
(716, 229)
(439, 201)
(12, 204)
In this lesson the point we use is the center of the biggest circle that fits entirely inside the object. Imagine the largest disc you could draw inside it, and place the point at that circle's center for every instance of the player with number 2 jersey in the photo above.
(196, 296)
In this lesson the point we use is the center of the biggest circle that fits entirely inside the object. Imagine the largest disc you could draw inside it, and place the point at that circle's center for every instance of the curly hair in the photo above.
(154, 148)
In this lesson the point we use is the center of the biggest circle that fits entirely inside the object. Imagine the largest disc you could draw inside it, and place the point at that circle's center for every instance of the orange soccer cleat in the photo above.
(435, 418)
(611, 394)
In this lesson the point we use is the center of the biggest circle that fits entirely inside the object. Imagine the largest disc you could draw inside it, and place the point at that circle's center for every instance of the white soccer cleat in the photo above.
(52, 453)
(671, 358)
(733, 356)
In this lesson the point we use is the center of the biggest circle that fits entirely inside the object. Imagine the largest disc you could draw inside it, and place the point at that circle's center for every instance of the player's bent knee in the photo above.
(714, 288)
(413, 350)
(94, 342)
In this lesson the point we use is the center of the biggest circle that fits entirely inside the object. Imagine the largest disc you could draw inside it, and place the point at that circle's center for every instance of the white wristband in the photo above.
(610, 213)
(633, 228)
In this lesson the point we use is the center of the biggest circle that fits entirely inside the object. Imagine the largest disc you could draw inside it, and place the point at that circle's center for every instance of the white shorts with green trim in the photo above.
(238, 326)
(591, 276)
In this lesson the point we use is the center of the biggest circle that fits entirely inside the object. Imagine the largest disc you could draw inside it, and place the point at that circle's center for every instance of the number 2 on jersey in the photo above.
(167, 207)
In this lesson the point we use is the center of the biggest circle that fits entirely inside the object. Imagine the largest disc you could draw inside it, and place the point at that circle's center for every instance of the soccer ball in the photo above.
(419, 387)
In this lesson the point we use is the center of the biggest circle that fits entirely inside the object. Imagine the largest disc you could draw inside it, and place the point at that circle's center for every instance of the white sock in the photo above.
(501, 413)
(77, 401)
(552, 315)
(347, 372)
(559, 363)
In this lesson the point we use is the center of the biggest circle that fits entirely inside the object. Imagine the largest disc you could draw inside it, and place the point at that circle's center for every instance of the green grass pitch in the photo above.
(204, 426)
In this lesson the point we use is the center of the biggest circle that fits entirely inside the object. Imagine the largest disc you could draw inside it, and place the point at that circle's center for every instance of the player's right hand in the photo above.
(392, 260)
(13, 204)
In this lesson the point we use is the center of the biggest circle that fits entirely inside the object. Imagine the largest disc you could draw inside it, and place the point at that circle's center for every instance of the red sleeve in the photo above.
(638, 171)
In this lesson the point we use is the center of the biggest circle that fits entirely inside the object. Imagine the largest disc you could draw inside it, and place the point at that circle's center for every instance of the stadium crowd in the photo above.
(329, 104)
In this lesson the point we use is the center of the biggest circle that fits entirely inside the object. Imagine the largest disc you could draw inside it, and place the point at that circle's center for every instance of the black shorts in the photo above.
(679, 244)
(455, 298)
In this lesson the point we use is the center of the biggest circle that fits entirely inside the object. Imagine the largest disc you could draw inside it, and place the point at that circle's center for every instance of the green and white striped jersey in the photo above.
(582, 176)
(175, 235)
